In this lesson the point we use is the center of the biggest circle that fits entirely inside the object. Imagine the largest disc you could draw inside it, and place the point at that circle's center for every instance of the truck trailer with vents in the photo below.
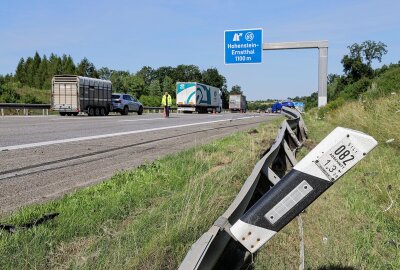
(73, 94)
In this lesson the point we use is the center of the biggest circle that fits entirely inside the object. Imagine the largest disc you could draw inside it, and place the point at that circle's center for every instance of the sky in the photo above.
(127, 35)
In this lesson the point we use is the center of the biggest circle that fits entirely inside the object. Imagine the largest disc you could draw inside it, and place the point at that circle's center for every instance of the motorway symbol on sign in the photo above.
(243, 46)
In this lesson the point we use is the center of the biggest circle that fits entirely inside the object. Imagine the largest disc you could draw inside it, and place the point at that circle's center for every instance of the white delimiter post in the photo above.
(322, 47)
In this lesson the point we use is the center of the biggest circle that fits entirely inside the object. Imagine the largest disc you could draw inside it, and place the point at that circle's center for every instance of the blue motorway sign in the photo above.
(243, 46)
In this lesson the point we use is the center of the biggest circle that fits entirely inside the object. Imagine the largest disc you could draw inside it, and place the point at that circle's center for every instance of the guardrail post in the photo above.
(24, 108)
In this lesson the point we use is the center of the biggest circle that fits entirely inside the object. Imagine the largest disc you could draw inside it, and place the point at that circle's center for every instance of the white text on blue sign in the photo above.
(243, 46)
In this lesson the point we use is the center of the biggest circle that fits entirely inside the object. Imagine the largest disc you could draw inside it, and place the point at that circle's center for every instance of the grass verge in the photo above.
(146, 218)
(356, 223)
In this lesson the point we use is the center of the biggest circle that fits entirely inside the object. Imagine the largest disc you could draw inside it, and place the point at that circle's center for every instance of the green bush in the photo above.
(151, 101)
(353, 91)
(333, 105)
(8, 94)
(154, 101)
(388, 82)
(335, 88)
(30, 99)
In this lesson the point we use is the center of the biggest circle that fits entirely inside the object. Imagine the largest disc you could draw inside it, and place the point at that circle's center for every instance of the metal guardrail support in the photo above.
(46, 107)
(277, 190)
(158, 109)
(25, 107)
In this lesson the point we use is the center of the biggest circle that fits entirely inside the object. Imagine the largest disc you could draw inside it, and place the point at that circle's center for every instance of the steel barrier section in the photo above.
(48, 106)
(277, 190)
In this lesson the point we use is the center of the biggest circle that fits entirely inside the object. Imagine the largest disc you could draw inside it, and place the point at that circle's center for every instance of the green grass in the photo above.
(146, 218)
(349, 226)
(149, 217)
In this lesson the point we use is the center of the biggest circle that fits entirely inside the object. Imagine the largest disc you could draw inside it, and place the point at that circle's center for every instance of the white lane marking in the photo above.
(26, 116)
(150, 119)
(100, 118)
(69, 118)
(31, 145)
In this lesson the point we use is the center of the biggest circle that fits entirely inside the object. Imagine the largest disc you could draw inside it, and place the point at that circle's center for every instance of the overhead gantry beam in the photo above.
(322, 47)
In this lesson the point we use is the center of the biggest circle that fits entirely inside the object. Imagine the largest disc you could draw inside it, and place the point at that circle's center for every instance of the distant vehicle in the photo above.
(71, 94)
(124, 103)
(198, 97)
(289, 104)
(237, 103)
(277, 107)
(299, 106)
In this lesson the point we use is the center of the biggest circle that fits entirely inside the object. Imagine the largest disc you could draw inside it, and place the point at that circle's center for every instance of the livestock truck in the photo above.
(74, 94)
(237, 103)
(198, 97)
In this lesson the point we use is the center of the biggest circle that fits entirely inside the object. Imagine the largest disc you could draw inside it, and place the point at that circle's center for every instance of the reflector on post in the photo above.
(313, 175)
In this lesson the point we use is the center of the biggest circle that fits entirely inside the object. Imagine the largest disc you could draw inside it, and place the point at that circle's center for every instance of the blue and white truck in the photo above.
(198, 97)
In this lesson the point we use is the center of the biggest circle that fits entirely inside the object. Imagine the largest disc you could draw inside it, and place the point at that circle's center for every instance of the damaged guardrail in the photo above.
(278, 189)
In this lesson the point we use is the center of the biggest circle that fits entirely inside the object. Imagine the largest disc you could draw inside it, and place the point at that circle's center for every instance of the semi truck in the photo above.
(198, 97)
(237, 103)
(73, 94)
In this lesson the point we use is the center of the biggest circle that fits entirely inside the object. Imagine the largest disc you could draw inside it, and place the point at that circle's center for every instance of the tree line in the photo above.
(357, 76)
(147, 84)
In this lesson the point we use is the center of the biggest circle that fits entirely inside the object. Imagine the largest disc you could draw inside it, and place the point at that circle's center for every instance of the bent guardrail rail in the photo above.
(277, 190)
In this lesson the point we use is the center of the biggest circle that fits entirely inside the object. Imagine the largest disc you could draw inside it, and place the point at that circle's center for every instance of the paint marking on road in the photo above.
(151, 119)
(70, 118)
(32, 145)
(26, 116)
(135, 120)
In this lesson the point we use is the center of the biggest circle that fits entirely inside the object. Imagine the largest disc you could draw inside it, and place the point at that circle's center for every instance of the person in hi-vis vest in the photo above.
(166, 102)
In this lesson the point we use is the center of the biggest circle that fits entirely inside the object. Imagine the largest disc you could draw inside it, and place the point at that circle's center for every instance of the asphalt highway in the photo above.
(45, 157)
